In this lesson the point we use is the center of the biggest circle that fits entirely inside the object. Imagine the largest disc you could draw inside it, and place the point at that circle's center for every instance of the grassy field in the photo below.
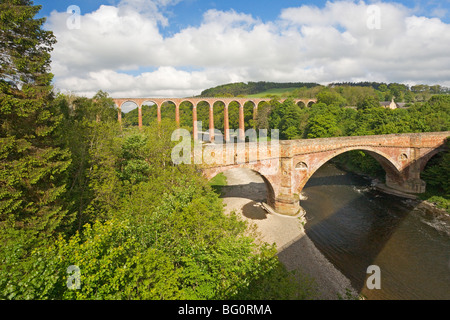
(277, 91)
(218, 182)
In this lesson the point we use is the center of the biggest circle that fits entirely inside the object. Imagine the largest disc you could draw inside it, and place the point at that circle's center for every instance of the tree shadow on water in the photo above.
(346, 179)
(352, 250)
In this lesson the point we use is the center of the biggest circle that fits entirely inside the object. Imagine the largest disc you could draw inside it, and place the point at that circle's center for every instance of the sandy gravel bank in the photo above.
(244, 193)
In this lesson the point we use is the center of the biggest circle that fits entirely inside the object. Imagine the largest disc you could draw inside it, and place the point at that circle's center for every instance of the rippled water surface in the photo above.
(355, 226)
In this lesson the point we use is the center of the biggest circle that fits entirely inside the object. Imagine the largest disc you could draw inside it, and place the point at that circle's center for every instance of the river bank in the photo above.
(417, 202)
(245, 192)
(377, 183)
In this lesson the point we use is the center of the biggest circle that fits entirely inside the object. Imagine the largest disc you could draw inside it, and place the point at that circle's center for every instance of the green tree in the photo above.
(167, 239)
(33, 163)
(437, 177)
(323, 121)
(89, 130)
(398, 90)
(367, 103)
(134, 165)
(263, 115)
(287, 117)
(434, 115)
(248, 116)
(437, 173)
(331, 98)
(113, 265)
(32, 178)
(289, 124)
(436, 89)
(383, 87)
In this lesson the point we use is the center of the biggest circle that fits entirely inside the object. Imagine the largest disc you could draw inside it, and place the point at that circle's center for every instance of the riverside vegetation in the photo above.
(75, 189)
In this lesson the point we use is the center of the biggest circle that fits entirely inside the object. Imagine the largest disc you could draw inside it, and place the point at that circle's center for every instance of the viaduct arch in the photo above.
(286, 171)
(195, 101)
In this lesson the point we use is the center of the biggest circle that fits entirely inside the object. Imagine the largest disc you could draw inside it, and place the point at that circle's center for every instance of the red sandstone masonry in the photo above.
(195, 101)
(403, 156)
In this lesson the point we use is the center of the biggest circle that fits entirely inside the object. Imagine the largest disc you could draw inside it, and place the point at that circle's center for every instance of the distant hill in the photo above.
(262, 89)
(281, 92)
(254, 88)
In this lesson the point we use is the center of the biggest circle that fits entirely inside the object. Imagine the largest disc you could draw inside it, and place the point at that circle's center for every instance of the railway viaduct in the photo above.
(194, 102)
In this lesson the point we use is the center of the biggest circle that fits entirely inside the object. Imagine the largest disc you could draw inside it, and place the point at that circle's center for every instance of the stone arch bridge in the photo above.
(194, 102)
(287, 167)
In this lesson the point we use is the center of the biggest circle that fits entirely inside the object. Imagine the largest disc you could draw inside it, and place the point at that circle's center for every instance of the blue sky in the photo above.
(180, 47)
(189, 12)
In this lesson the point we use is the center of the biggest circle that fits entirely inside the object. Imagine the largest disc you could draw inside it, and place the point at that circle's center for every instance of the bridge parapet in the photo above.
(427, 139)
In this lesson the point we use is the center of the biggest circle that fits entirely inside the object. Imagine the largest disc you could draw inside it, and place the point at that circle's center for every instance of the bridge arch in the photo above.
(149, 111)
(126, 106)
(168, 110)
(146, 102)
(400, 155)
(250, 101)
(219, 115)
(205, 115)
(426, 158)
(305, 167)
(301, 104)
(269, 183)
(235, 101)
(233, 113)
(249, 114)
(202, 102)
(127, 103)
(186, 109)
(262, 103)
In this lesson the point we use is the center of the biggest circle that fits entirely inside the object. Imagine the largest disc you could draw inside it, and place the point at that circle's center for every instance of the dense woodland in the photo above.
(77, 189)
(384, 91)
(243, 89)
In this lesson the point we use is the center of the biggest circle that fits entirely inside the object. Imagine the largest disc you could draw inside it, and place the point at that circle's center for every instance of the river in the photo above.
(355, 226)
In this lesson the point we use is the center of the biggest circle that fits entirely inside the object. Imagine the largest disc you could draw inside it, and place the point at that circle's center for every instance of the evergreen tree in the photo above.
(33, 166)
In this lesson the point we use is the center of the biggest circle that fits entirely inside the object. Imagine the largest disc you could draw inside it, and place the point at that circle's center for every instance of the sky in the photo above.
(178, 48)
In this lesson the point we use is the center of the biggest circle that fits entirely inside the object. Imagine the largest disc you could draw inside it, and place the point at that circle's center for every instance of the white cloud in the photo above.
(309, 44)
(108, 38)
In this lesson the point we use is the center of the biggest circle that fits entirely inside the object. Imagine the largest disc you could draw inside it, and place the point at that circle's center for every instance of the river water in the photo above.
(355, 226)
